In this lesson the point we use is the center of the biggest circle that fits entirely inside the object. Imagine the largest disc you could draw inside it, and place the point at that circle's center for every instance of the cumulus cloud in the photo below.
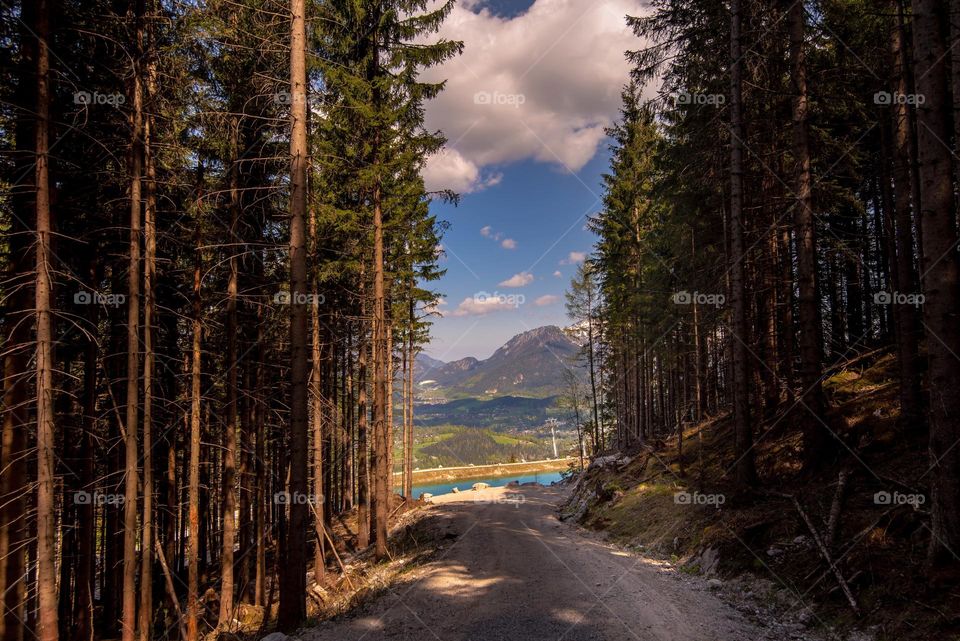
(548, 299)
(541, 85)
(573, 258)
(557, 274)
(450, 170)
(518, 280)
(508, 243)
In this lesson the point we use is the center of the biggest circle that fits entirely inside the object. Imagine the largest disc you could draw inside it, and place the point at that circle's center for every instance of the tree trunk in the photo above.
(811, 338)
(904, 267)
(293, 588)
(149, 306)
(193, 500)
(942, 303)
(230, 429)
(46, 441)
(316, 411)
(745, 468)
(363, 448)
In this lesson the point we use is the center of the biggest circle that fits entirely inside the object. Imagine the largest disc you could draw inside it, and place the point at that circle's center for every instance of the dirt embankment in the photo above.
(766, 546)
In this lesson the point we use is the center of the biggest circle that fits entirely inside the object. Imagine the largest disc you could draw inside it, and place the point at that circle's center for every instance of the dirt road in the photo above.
(514, 572)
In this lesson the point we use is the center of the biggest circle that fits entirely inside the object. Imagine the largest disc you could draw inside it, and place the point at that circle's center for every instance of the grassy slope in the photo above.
(880, 548)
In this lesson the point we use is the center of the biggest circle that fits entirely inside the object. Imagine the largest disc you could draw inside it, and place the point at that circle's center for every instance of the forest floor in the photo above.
(511, 570)
(757, 549)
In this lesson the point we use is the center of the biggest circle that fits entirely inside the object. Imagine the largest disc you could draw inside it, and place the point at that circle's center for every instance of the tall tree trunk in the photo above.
(942, 303)
(193, 499)
(408, 410)
(46, 441)
(363, 448)
(149, 306)
(230, 429)
(380, 463)
(14, 474)
(131, 423)
(905, 316)
(811, 338)
(293, 586)
(316, 411)
(591, 360)
(745, 468)
(260, 502)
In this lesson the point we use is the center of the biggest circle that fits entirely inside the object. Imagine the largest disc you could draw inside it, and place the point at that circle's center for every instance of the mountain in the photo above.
(529, 364)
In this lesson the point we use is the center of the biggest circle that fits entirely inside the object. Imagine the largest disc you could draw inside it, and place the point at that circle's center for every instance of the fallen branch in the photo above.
(171, 591)
(333, 548)
(827, 557)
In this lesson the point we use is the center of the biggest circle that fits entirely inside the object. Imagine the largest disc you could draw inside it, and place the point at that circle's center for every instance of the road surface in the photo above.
(514, 572)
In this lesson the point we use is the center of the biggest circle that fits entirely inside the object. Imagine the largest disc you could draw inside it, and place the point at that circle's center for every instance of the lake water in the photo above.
(544, 478)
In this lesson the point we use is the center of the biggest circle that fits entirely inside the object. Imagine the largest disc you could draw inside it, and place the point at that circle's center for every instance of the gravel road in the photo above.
(514, 572)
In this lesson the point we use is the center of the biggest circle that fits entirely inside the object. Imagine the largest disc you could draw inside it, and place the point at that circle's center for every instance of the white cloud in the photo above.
(573, 258)
(450, 170)
(486, 231)
(518, 280)
(557, 274)
(548, 299)
(541, 85)
(509, 243)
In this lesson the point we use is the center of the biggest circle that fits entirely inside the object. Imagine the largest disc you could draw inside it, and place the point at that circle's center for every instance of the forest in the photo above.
(784, 208)
(220, 262)
(217, 249)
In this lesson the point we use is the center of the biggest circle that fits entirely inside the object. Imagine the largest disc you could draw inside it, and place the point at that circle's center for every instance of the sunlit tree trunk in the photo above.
(46, 629)
(292, 611)
(149, 308)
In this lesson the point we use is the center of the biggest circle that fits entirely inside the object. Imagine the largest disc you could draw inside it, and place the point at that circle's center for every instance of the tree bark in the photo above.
(193, 499)
(149, 307)
(230, 429)
(293, 588)
(47, 620)
(745, 468)
(940, 269)
(815, 435)
(905, 316)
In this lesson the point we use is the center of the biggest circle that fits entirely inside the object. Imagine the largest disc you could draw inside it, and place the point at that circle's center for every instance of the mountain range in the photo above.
(529, 364)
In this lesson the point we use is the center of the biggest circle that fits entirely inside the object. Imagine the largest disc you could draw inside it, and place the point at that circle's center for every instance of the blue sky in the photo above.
(524, 113)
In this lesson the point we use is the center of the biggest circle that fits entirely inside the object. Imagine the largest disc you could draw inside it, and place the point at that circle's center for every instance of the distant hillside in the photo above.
(505, 413)
(529, 364)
